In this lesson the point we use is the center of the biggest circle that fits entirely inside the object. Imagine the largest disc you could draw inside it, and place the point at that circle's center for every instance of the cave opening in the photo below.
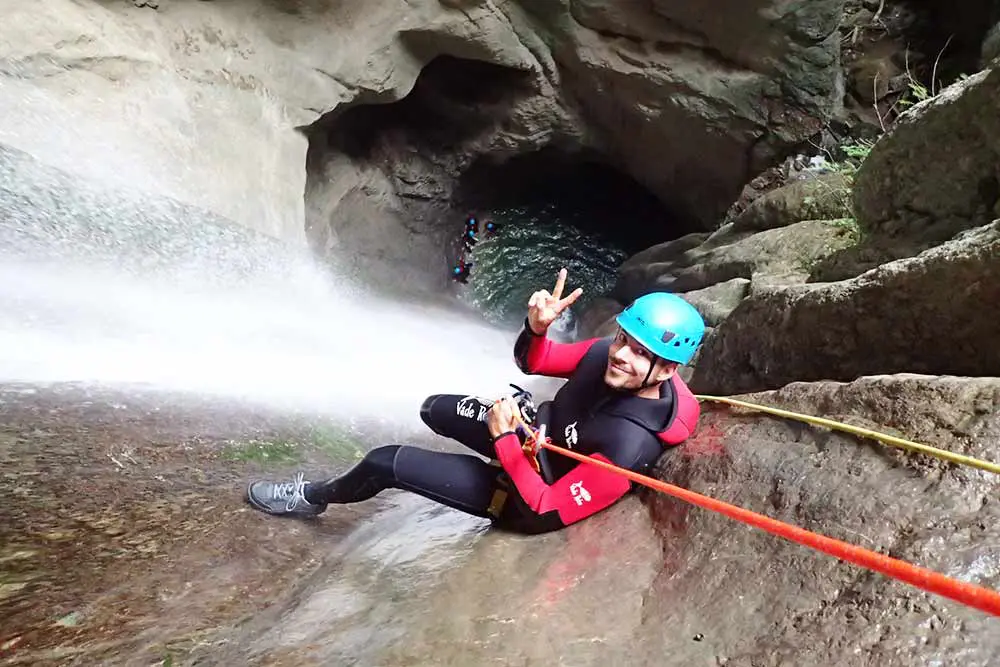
(553, 208)
(574, 184)
(386, 204)
(561, 205)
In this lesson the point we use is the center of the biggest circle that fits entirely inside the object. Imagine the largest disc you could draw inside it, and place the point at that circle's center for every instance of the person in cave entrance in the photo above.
(470, 237)
(623, 403)
(463, 265)
(475, 229)
(460, 272)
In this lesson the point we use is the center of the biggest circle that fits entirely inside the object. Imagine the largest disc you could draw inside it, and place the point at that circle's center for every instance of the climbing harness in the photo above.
(942, 454)
(981, 598)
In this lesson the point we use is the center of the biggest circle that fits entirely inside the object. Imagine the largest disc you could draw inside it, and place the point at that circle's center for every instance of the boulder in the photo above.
(934, 174)
(777, 256)
(824, 197)
(925, 314)
(716, 302)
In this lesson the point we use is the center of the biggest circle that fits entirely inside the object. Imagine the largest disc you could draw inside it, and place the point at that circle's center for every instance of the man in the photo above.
(623, 403)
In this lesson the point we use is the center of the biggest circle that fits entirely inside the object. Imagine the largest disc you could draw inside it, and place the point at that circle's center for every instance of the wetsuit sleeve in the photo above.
(537, 355)
(583, 491)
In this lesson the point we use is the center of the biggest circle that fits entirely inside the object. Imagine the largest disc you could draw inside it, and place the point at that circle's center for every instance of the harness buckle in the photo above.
(525, 402)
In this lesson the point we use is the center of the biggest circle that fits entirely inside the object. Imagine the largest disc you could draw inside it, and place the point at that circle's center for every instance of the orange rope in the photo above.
(969, 594)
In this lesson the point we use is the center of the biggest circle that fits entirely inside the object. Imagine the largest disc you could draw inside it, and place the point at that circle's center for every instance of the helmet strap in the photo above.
(652, 365)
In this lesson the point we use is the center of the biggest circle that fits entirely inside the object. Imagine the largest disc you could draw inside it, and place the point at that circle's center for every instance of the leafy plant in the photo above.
(855, 154)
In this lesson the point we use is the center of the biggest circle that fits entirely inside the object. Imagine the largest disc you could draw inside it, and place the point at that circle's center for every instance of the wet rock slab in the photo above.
(125, 536)
(126, 541)
(761, 600)
(654, 581)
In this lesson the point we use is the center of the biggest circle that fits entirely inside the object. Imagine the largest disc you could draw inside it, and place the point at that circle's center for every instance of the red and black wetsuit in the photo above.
(589, 417)
(585, 415)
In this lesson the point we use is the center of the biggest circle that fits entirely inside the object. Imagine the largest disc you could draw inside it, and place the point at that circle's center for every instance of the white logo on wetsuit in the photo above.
(470, 408)
(580, 494)
(571, 435)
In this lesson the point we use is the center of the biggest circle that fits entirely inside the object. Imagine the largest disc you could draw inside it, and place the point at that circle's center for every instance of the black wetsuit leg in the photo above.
(460, 481)
(461, 418)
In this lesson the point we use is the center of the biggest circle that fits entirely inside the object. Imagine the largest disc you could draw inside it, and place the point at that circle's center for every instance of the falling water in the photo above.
(99, 285)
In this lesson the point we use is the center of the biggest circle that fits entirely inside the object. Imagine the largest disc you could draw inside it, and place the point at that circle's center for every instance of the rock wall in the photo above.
(200, 101)
(197, 101)
(693, 102)
(927, 314)
(687, 106)
(901, 280)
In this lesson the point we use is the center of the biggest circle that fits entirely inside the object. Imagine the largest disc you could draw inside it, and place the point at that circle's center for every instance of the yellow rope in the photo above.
(863, 432)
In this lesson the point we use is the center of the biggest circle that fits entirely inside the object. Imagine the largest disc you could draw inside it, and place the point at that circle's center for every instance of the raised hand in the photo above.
(545, 308)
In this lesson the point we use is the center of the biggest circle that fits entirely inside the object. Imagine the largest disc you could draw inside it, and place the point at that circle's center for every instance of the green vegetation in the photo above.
(850, 227)
(336, 443)
(328, 441)
(261, 451)
(854, 156)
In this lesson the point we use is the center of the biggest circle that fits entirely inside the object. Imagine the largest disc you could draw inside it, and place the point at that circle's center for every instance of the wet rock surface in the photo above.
(125, 535)
(128, 542)
(467, 597)
(689, 586)
(761, 600)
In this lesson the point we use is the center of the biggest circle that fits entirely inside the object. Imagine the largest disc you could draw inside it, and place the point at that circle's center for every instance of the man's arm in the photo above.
(535, 354)
(583, 491)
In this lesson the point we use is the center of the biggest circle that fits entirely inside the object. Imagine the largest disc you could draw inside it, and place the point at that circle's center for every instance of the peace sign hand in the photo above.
(545, 308)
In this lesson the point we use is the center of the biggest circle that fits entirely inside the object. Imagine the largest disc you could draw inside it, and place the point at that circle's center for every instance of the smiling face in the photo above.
(629, 365)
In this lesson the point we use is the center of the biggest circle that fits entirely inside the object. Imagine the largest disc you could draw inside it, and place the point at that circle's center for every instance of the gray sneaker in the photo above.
(283, 497)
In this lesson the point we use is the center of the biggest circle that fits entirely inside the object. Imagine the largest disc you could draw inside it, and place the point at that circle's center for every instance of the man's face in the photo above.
(629, 363)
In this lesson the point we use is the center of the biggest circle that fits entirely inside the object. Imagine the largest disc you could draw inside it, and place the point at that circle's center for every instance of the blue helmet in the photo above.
(665, 324)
